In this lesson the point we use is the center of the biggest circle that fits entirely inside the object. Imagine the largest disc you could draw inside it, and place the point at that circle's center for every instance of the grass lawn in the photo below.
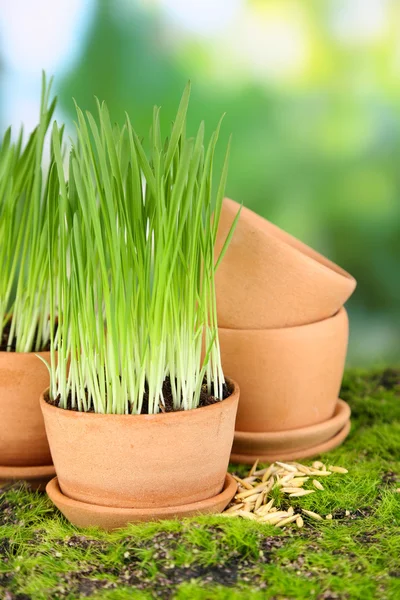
(353, 556)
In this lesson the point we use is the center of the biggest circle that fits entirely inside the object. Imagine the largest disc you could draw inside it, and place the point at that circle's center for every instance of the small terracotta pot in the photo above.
(289, 378)
(268, 279)
(142, 461)
(23, 441)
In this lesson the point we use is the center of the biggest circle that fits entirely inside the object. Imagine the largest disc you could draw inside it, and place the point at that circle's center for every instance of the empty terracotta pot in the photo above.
(23, 441)
(289, 378)
(268, 279)
(142, 461)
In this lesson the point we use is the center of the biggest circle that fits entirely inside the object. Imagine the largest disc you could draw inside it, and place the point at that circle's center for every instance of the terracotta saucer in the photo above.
(36, 477)
(336, 440)
(291, 440)
(280, 444)
(82, 514)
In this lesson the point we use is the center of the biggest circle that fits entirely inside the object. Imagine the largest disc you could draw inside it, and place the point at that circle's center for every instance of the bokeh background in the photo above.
(311, 91)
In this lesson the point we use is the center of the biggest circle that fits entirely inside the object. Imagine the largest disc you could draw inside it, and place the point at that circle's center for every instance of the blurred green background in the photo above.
(312, 98)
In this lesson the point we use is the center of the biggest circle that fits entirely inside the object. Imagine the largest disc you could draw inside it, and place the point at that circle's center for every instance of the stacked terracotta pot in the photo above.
(283, 334)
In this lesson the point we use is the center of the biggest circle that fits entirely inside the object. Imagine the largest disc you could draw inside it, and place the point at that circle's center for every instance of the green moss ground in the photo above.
(355, 556)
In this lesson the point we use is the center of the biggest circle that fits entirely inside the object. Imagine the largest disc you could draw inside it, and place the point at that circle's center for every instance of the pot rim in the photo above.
(299, 247)
(159, 417)
(341, 313)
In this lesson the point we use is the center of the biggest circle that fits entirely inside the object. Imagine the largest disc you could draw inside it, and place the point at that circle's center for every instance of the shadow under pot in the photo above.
(289, 379)
(115, 469)
(278, 280)
(24, 450)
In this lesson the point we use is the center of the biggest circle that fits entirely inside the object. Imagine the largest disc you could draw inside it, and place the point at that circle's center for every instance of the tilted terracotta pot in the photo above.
(142, 461)
(268, 279)
(289, 378)
(23, 441)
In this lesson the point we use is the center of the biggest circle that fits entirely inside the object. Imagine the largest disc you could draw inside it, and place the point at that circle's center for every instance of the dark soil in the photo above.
(6, 347)
(390, 478)
(11, 596)
(205, 398)
(389, 378)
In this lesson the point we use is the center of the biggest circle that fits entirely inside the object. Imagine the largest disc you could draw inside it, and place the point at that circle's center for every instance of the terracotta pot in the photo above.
(268, 279)
(23, 441)
(289, 378)
(142, 461)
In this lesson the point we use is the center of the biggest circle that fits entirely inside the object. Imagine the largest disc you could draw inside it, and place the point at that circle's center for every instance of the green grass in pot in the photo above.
(134, 233)
(24, 277)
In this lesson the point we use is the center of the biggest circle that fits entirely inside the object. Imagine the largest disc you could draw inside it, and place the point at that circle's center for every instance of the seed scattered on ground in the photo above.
(337, 469)
(291, 480)
(253, 468)
(246, 485)
(234, 508)
(287, 521)
(303, 469)
(247, 515)
(270, 471)
(321, 473)
(312, 514)
(299, 522)
(317, 484)
(259, 502)
(281, 514)
(299, 493)
(286, 466)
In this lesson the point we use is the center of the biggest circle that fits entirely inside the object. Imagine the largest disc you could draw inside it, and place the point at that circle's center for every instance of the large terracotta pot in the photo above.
(289, 378)
(268, 279)
(142, 461)
(23, 441)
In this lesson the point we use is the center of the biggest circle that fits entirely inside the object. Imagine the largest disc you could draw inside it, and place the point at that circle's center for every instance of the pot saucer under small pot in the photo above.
(23, 441)
(269, 279)
(336, 440)
(279, 444)
(35, 477)
(142, 462)
(289, 378)
(83, 514)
